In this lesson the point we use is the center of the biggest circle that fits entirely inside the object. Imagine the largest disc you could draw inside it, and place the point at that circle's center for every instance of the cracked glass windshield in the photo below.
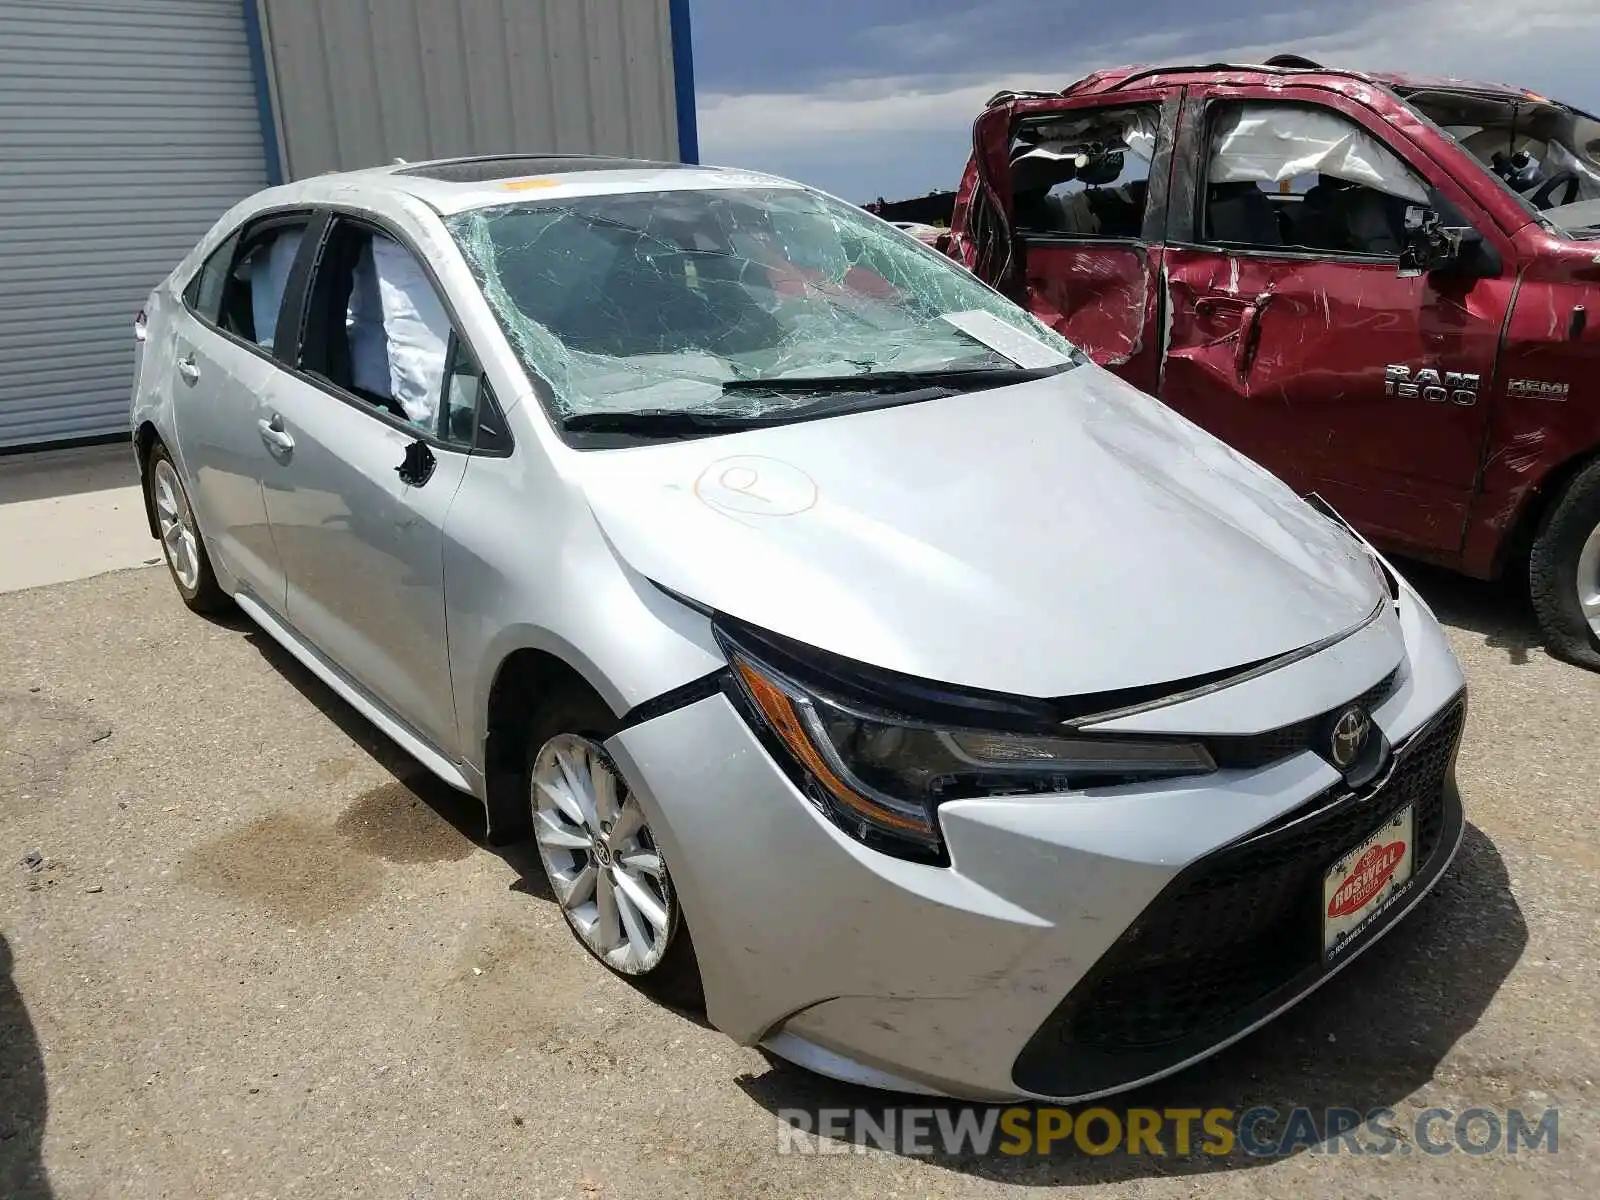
(738, 305)
(1545, 154)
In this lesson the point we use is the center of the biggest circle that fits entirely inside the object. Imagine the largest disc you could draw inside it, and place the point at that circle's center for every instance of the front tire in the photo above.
(1564, 572)
(600, 855)
(181, 544)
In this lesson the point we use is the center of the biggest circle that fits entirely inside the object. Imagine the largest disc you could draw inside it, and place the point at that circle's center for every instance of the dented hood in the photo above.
(1056, 537)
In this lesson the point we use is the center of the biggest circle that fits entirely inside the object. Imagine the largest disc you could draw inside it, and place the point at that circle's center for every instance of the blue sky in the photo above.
(876, 97)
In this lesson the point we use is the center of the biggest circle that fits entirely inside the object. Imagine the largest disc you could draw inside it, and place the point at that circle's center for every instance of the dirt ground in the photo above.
(259, 954)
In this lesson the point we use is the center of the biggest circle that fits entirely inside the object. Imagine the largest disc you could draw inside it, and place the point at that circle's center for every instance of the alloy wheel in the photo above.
(1589, 580)
(175, 520)
(600, 857)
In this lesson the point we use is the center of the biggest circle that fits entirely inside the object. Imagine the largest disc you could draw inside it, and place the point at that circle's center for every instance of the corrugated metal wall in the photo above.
(126, 128)
(361, 82)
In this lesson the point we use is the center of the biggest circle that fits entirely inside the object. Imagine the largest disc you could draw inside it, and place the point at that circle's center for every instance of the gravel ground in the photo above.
(261, 955)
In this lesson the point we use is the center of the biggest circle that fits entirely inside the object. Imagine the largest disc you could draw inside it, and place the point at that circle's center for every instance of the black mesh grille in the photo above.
(1262, 749)
(1231, 930)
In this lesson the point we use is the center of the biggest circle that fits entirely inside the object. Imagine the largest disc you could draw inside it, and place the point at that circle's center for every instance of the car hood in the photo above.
(1058, 537)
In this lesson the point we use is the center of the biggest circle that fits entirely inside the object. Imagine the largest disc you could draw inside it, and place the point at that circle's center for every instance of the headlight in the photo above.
(881, 778)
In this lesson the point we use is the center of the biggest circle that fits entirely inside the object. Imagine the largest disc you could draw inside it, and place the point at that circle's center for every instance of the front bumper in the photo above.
(1235, 938)
(1077, 945)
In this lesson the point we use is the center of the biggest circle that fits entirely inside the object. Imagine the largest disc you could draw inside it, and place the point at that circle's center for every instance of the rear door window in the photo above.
(203, 296)
(1083, 174)
(240, 288)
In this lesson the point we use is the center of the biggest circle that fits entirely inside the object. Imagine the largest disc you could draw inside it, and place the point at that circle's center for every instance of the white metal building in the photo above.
(128, 126)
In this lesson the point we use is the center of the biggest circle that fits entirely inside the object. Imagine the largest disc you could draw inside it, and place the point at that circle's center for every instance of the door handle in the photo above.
(187, 370)
(1209, 305)
(274, 435)
(1250, 334)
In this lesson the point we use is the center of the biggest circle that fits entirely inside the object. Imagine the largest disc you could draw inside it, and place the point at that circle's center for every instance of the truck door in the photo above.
(1296, 336)
(1063, 210)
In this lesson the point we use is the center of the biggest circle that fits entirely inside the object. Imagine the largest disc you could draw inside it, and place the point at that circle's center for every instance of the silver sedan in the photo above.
(866, 664)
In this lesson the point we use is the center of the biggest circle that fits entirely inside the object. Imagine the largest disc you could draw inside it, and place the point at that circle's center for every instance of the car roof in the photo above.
(453, 185)
(1283, 66)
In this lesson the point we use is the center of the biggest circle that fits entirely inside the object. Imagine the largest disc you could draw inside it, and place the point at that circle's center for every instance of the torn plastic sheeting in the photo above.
(1064, 141)
(1270, 143)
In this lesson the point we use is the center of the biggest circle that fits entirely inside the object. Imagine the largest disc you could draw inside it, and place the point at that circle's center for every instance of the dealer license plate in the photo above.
(1360, 885)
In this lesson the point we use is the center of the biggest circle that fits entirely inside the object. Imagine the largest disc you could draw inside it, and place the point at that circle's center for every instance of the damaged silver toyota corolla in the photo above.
(993, 731)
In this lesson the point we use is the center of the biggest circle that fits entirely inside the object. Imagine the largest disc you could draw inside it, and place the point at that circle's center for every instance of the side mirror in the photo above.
(1427, 246)
(417, 466)
(1475, 258)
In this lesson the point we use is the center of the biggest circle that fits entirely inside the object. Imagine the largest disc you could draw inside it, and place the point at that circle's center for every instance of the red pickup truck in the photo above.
(1378, 287)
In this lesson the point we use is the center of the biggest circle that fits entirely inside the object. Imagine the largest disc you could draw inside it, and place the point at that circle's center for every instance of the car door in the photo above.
(365, 466)
(1081, 185)
(223, 368)
(1295, 333)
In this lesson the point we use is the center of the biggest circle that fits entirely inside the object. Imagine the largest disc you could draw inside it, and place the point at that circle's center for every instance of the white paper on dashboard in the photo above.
(1003, 338)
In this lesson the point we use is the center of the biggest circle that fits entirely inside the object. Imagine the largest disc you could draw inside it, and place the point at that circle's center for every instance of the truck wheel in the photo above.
(600, 856)
(1564, 572)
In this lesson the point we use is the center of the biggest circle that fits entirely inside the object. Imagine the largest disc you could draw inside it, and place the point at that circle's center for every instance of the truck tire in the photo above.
(1564, 572)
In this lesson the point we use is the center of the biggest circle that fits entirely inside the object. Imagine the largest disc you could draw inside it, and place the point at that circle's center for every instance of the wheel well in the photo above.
(146, 439)
(525, 678)
(1545, 497)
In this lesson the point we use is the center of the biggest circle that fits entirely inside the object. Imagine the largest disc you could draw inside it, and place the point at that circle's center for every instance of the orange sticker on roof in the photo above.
(528, 185)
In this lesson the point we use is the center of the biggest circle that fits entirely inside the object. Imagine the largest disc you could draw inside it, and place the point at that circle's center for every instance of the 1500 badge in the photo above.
(1458, 387)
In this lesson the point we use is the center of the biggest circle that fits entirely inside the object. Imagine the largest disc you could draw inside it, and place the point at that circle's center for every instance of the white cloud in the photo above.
(1549, 46)
(766, 119)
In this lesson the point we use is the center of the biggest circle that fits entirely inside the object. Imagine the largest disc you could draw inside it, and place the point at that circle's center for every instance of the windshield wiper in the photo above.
(678, 422)
(872, 389)
(957, 379)
(663, 422)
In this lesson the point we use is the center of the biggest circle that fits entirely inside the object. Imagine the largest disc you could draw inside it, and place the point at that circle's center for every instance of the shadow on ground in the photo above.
(1371, 1037)
(53, 474)
(1499, 610)
(463, 813)
(24, 1099)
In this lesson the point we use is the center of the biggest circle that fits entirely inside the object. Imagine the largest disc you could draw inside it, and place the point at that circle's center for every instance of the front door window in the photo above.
(376, 328)
(1295, 176)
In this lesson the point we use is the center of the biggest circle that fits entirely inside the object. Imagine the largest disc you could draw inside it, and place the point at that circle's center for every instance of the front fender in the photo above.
(554, 584)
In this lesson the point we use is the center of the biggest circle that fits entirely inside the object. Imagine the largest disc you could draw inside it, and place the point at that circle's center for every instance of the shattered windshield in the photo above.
(749, 302)
(1545, 154)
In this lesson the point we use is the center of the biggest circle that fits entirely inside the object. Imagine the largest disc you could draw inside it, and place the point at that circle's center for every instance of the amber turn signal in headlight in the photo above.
(882, 779)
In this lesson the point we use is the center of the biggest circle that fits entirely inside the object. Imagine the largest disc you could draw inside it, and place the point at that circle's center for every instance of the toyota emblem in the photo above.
(1349, 737)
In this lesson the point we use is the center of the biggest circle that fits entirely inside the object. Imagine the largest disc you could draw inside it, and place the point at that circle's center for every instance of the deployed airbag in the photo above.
(1270, 143)
(269, 274)
(399, 330)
